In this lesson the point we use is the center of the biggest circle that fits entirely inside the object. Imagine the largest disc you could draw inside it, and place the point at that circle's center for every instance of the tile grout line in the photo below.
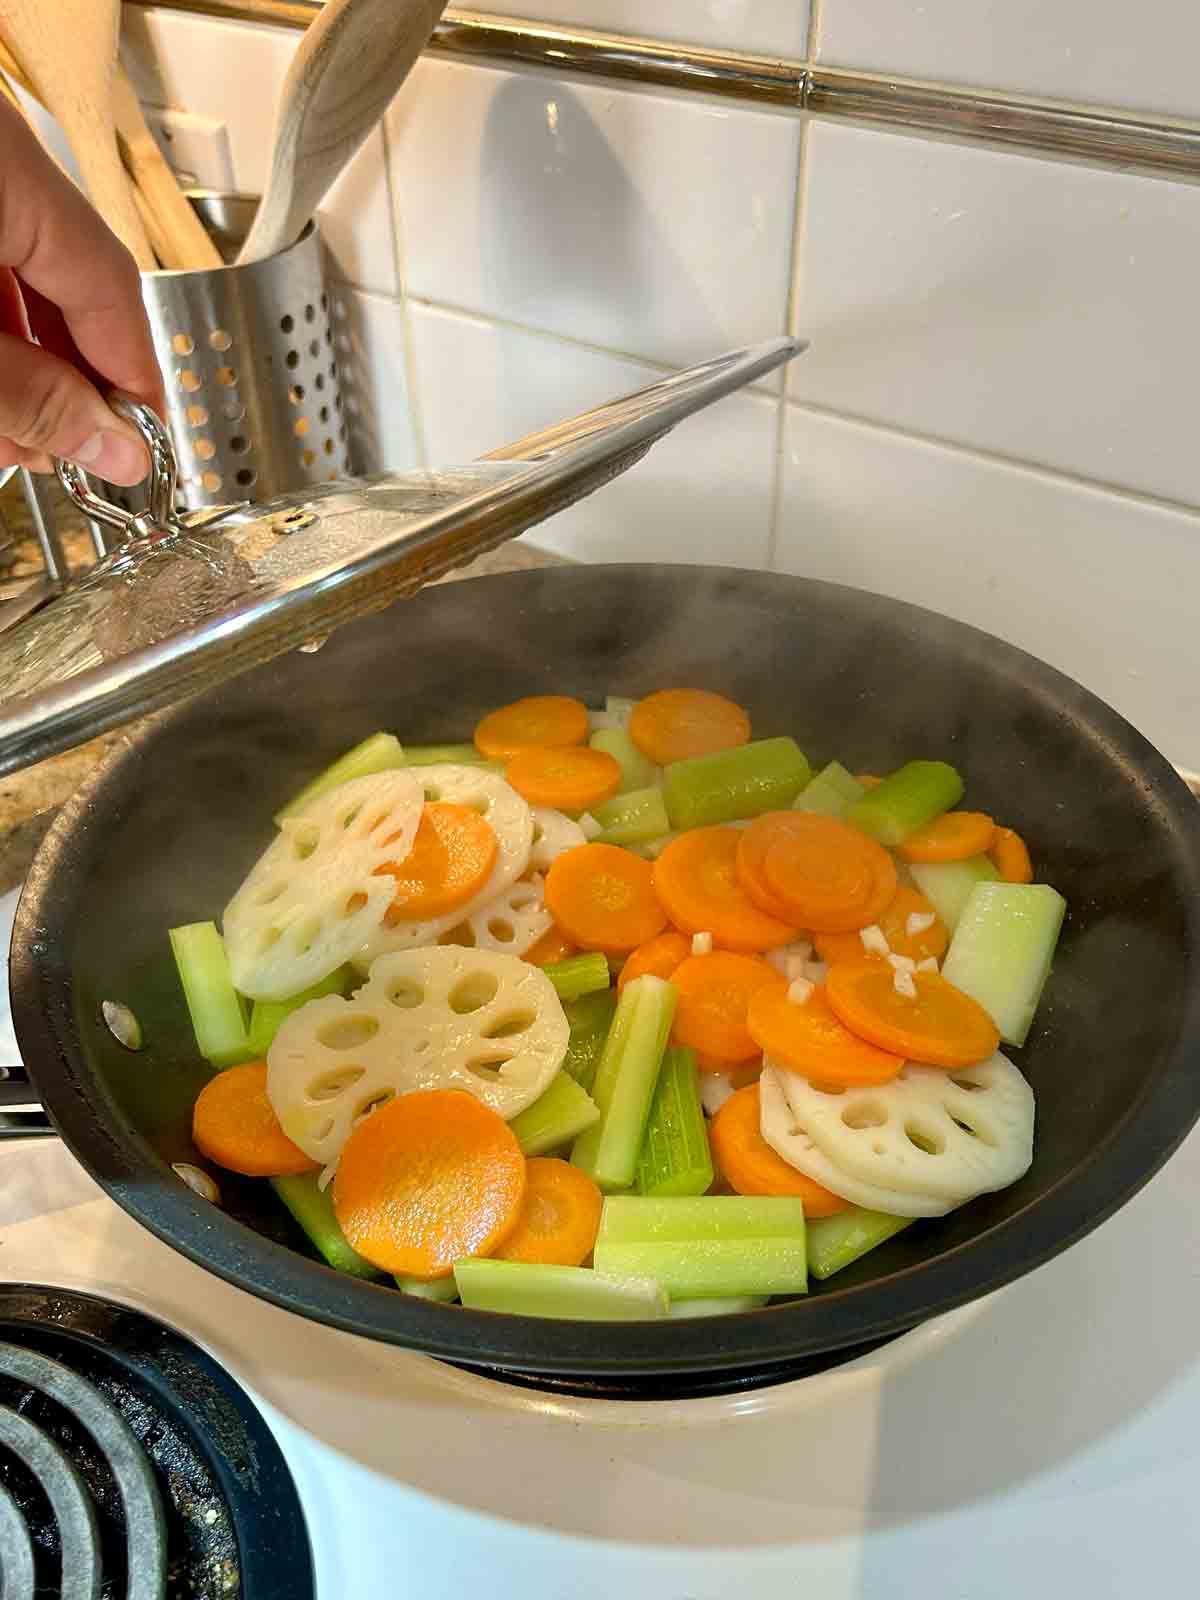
(799, 219)
(416, 411)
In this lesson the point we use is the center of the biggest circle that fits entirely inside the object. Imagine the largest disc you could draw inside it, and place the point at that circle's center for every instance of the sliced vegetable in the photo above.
(832, 792)
(815, 871)
(750, 1166)
(440, 1289)
(604, 898)
(573, 780)
(233, 1124)
(632, 818)
(906, 801)
(559, 1216)
(578, 975)
(947, 885)
(427, 1179)
(550, 949)
(1010, 856)
(712, 1246)
(625, 1082)
(379, 753)
(637, 771)
(910, 927)
(659, 956)
(1002, 950)
(619, 708)
(809, 1038)
(835, 1242)
(551, 720)
(449, 861)
(941, 1027)
(954, 836)
(590, 1019)
(725, 1306)
(758, 777)
(715, 994)
(675, 1158)
(556, 1117)
(267, 1016)
(433, 755)
(696, 881)
(676, 724)
(212, 1001)
(574, 1294)
(312, 1207)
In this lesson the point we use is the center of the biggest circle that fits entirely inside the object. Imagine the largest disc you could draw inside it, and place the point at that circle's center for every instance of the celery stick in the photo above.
(947, 885)
(711, 1246)
(765, 775)
(831, 793)
(637, 770)
(1002, 949)
(675, 1158)
(576, 1294)
(313, 1210)
(376, 754)
(560, 1113)
(624, 1084)
(721, 1307)
(834, 1242)
(266, 1016)
(441, 1289)
(429, 755)
(906, 800)
(633, 818)
(214, 1005)
(590, 1019)
(578, 975)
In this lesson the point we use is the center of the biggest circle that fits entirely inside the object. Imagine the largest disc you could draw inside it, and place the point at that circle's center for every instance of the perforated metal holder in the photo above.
(185, 602)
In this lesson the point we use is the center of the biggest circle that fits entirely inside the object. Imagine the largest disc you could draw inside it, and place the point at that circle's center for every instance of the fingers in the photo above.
(48, 409)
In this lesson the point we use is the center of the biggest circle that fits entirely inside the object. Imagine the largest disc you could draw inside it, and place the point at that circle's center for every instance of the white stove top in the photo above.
(1044, 1443)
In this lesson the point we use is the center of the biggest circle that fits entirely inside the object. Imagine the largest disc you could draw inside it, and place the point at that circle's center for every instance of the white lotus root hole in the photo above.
(866, 1114)
(473, 993)
(407, 996)
(347, 1033)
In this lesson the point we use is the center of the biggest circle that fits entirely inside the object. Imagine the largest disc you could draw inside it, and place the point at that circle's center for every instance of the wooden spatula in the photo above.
(179, 235)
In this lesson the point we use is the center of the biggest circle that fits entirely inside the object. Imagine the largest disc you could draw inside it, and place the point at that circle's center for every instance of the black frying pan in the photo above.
(163, 834)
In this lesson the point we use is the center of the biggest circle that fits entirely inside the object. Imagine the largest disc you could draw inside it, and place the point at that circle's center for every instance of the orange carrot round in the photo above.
(427, 1179)
(954, 836)
(869, 780)
(675, 724)
(750, 1166)
(552, 946)
(572, 779)
(893, 922)
(451, 859)
(810, 1039)
(559, 1217)
(696, 879)
(1010, 856)
(554, 720)
(658, 956)
(942, 1027)
(714, 996)
(818, 871)
(233, 1124)
(603, 898)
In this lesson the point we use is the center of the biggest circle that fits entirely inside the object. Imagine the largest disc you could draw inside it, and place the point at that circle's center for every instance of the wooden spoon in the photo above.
(347, 69)
(180, 237)
(68, 51)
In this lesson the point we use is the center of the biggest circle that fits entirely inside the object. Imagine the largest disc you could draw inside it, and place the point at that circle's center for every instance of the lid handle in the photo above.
(159, 519)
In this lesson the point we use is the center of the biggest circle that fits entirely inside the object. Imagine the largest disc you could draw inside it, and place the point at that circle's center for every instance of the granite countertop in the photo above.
(29, 800)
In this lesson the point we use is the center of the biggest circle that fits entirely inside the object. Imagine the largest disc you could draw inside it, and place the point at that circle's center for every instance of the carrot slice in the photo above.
(893, 922)
(696, 879)
(541, 719)
(552, 946)
(676, 724)
(820, 873)
(428, 1178)
(451, 859)
(573, 779)
(714, 997)
(954, 836)
(750, 1166)
(810, 1039)
(658, 956)
(942, 1027)
(559, 1217)
(1010, 856)
(603, 898)
(233, 1124)
(869, 780)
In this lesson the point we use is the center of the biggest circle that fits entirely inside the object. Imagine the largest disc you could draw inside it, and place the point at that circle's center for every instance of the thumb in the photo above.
(47, 408)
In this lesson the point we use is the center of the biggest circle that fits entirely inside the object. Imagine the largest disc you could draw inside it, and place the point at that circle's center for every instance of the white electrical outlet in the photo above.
(196, 147)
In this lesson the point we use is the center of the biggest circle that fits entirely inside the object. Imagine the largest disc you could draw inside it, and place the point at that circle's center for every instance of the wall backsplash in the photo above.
(997, 417)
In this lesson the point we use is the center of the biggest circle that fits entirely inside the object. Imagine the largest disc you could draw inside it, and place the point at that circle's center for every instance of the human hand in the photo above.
(68, 280)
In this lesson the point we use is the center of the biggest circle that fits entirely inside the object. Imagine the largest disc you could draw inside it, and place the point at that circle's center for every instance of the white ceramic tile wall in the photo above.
(371, 340)
(764, 27)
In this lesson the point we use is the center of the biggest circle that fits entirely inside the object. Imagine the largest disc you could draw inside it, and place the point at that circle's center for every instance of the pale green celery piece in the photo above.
(267, 1016)
(633, 818)
(379, 753)
(576, 1294)
(831, 793)
(214, 1005)
(1002, 949)
(578, 975)
(765, 775)
(441, 1289)
(948, 885)
(834, 1242)
(637, 770)
(711, 1246)
(723, 1307)
(430, 755)
(590, 1019)
(906, 800)
(313, 1210)
(624, 1084)
(675, 1158)
(655, 847)
(559, 1114)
